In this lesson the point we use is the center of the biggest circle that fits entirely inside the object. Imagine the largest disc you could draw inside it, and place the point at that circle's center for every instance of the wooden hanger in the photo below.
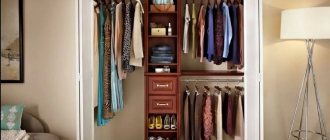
(217, 88)
(207, 88)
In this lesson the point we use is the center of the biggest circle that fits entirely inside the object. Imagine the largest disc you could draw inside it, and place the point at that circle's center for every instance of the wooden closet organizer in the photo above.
(162, 90)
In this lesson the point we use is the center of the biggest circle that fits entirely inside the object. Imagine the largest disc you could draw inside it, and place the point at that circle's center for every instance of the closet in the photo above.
(163, 91)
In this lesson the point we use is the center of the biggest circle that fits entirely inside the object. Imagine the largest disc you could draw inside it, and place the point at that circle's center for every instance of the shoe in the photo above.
(173, 122)
(167, 122)
(151, 122)
(160, 138)
(151, 138)
(159, 122)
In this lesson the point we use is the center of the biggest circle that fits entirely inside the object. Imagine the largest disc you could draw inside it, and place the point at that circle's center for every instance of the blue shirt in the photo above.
(210, 34)
(228, 33)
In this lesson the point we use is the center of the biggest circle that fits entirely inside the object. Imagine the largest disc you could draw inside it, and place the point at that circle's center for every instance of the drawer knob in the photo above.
(162, 104)
(162, 85)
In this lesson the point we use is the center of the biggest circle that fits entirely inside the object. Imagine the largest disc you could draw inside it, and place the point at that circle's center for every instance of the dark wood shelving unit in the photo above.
(161, 89)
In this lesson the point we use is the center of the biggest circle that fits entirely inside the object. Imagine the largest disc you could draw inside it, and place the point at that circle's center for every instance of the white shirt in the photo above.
(185, 46)
(137, 46)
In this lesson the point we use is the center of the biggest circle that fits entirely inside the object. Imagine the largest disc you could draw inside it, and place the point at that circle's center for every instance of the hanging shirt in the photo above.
(199, 102)
(186, 116)
(137, 52)
(218, 30)
(234, 51)
(107, 114)
(239, 131)
(227, 30)
(119, 28)
(127, 38)
(201, 30)
(231, 114)
(219, 130)
(192, 115)
(207, 117)
(100, 120)
(241, 34)
(185, 45)
(193, 31)
(95, 54)
(210, 34)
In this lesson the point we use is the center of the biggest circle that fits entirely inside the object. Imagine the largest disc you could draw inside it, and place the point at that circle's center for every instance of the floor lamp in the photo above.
(308, 24)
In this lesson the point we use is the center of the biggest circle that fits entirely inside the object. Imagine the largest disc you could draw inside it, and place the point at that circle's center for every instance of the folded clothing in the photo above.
(162, 52)
(162, 48)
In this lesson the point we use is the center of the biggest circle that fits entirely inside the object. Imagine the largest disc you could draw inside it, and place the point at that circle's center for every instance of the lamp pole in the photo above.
(305, 102)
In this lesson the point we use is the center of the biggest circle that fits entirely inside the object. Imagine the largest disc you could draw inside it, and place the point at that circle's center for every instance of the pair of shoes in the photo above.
(173, 122)
(155, 122)
(170, 122)
(167, 122)
(151, 122)
(159, 122)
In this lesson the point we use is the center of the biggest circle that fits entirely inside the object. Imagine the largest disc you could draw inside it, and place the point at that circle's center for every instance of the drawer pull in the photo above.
(160, 85)
(162, 104)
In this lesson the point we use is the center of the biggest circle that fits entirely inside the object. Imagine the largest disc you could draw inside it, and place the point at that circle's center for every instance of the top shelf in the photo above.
(211, 73)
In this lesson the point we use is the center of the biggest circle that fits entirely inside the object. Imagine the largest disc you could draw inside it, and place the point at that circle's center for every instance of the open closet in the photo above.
(172, 68)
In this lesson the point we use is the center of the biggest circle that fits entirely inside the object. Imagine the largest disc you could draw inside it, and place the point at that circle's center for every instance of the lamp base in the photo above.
(303, 132)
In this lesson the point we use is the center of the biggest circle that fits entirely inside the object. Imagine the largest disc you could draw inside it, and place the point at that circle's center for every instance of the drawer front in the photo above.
(162, 104)
(162, 85)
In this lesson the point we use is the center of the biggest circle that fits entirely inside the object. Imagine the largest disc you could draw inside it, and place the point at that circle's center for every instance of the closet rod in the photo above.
(213, 80)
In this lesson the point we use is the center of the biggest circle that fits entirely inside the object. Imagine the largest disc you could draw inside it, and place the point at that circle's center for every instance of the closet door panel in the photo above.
(162, 104)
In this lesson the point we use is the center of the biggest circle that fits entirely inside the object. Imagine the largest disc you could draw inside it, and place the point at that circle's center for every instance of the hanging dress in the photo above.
(117, 92)
(127, 38)
(119, 29)
(107, 114)
(100, 120)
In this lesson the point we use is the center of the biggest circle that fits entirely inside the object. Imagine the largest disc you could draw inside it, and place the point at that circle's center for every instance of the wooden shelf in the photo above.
(162, 36)
(161, 64)
(161, 131)
(163, 12)
(161, 74)
(211, 73)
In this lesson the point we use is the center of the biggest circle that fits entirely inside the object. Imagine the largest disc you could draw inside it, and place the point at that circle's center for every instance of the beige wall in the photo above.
(284, 67)
(49, 90)
(128, 124)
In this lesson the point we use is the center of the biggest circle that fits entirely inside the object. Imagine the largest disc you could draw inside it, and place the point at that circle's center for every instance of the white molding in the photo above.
(252, 70)
(261, 70)
(86, 69)
(78, 76)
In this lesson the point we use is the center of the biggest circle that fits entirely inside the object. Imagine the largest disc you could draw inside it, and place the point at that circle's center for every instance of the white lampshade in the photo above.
(306, 23)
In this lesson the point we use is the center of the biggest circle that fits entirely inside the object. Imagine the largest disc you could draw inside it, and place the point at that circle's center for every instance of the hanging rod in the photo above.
(213, 80)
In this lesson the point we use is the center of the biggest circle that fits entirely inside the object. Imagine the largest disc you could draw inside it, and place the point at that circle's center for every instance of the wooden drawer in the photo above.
(162, 104)
(162, 85)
